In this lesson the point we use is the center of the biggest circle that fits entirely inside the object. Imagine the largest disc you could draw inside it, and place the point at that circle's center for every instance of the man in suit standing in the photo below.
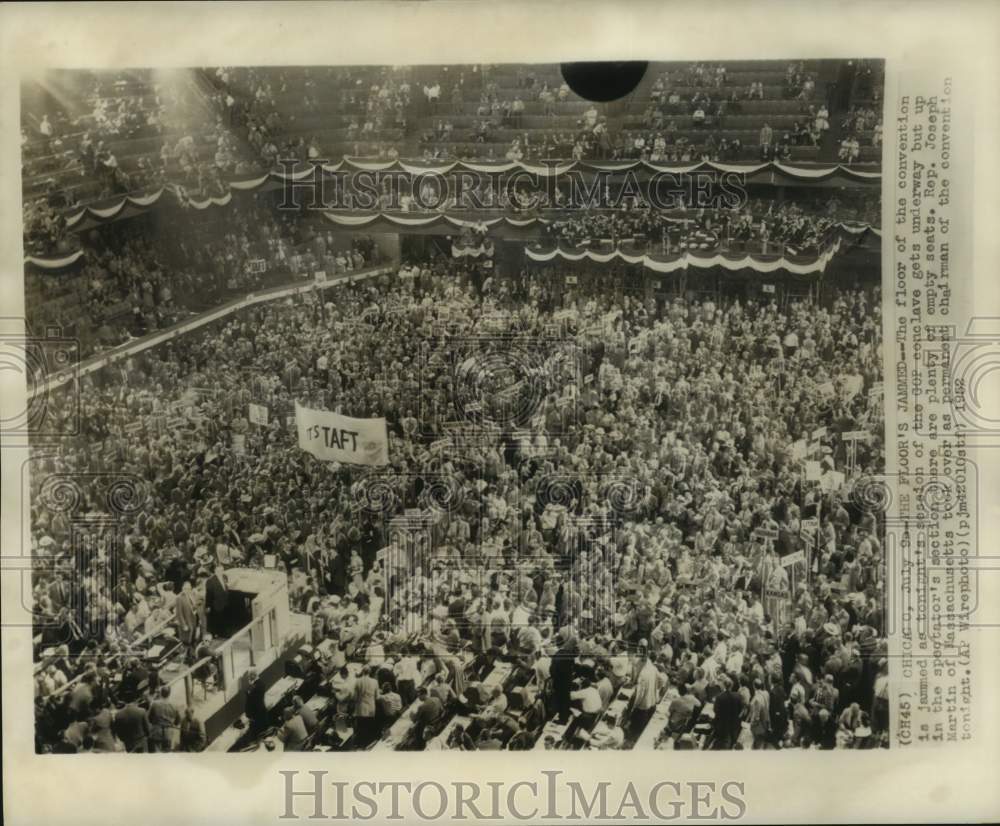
(59, 594)
(186, 616)
(561, 675)
(255, 708)
(648, 684)
(132, 727)
(426, 714)
(728, 716)
(217, 604)
(365, 707)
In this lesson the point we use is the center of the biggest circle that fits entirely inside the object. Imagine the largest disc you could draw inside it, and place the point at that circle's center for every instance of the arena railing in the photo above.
(259, 630)
(137, 346)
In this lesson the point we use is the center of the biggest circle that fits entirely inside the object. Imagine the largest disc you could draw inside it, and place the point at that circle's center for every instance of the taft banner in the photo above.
(335, 438)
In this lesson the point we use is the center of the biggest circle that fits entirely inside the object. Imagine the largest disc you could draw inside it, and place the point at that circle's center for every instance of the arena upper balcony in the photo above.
(116, 144)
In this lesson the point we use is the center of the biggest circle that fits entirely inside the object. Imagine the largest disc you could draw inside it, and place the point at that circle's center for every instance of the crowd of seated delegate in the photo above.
(758, 226)
(130, 290)
(687, 645)
(861, 124)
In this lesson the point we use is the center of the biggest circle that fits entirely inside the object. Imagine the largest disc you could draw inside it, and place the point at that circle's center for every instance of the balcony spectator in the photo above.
(850, 150)
(822, 119)
(432, 93)
(766, 140)
(547, 99)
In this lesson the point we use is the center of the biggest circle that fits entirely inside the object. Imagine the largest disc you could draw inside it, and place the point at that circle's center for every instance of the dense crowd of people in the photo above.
(144, 275)
(611, 506)
(127, 136)
(44, 227)
(701, 97)
(267, 106)
(640, 524)
(790, 227)
(695, 97)
(135, 134)
(126, 114)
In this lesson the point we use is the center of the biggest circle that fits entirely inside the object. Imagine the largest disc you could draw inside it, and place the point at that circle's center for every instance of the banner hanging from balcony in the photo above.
(797, 265)
(54, 262)
(501, 225)
(552, 167)
(305, 174)
(472, 249)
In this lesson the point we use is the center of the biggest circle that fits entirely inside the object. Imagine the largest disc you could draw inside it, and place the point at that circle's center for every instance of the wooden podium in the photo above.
(259, 593)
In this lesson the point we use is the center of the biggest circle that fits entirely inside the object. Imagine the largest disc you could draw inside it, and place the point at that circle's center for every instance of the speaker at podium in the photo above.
(255, 594)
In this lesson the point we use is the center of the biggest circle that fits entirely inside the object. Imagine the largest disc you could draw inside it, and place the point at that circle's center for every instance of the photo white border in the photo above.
(817, 787)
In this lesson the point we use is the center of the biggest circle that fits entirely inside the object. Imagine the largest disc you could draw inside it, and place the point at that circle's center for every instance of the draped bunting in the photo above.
(300, 175)
(422, 220)
(351, 220)
(54, 263)
(472, 249)
(857, 228)
(801, 265)
(250, 183)
(459, 222)
(146, 201)
(417, 167)
(554, 167)
(412, 169)
(223, 201)
(403, 220)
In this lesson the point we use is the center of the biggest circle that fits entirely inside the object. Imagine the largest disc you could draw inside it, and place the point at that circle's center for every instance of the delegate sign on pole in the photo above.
(335, 438)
